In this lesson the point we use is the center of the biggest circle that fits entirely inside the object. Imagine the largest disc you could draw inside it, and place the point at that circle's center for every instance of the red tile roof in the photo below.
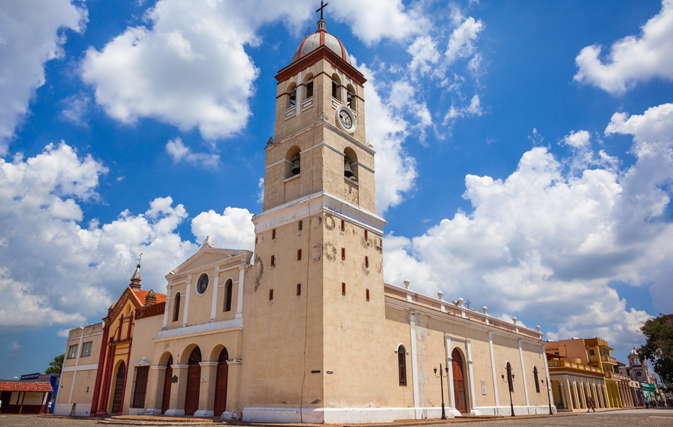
(141, 294)
(24, 386)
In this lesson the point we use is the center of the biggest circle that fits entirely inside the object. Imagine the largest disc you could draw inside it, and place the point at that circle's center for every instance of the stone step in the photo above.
(157, 420)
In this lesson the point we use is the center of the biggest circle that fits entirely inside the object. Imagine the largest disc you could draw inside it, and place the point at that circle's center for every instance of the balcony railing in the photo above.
(567, 364)
(616, 376)
(609, 359)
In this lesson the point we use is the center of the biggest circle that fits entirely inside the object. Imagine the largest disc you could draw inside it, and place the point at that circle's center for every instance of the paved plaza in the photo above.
(630, 418)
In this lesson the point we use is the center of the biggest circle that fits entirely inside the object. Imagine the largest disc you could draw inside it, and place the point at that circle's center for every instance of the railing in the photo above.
(335, 103)
(606, 358)
(451, 309)
(616, 376)
(568, 364)
(307, 103)
(291, 112)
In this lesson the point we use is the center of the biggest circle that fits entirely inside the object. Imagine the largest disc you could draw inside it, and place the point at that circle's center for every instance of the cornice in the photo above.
(323, 52)
(314, 203)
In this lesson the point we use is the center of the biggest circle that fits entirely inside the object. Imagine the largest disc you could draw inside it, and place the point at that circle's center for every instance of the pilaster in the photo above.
(178, 390)
(155, 386)
(207, 390)
(233, 384)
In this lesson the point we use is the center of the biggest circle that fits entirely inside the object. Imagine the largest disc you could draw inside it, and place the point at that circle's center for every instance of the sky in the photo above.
(524, 152)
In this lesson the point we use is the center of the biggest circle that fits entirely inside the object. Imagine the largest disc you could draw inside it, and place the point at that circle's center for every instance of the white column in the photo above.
(74, 373)
(299, 88)
(449, 364)
(523, 371)
(186, 310)
(470, 372)
(570, 403)
(495, 377)
(239, 299)
(168, 300)
(213, 308)
(414, 362)
(549, 383)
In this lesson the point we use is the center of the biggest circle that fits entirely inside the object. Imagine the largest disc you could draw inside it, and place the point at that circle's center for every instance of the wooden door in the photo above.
(119, 389)
(221, 384)
(193, 387)
(459, 382)
(165, 403)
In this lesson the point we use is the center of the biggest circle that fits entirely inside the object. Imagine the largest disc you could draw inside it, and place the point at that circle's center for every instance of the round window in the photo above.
(202, 284)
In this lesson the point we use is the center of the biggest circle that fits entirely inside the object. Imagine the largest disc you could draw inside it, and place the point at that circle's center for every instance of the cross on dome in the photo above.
(320, 9)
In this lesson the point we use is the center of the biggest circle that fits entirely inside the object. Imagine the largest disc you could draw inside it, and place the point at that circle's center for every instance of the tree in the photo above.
(659, 347)
(55, 366)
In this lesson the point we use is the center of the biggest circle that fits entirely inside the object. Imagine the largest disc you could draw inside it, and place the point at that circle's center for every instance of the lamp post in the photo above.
(510, 383)
(441, 385)
(549, 394)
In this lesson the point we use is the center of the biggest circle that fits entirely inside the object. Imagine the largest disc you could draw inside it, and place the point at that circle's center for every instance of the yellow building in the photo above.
(308, 331)
(588, 366)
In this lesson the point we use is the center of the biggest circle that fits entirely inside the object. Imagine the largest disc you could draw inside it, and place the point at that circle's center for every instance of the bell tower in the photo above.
(315, 333)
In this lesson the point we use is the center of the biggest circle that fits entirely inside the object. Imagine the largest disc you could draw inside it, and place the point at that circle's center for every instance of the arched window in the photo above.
(291, 95)
(176, 309)
(293, 162)
(510, 377)
(308, 81)
(195, 357)
(402, 364)
(350, 97)
(537, 381)
(336, 87)
(227, 295)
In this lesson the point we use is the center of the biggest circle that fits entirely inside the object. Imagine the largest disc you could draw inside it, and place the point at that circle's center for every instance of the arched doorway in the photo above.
(168, 379)
(459, 381)
(221, 383)
(119, 389)
(193, 382)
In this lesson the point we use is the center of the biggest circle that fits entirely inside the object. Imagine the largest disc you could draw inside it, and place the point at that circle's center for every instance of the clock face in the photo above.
(346, 119)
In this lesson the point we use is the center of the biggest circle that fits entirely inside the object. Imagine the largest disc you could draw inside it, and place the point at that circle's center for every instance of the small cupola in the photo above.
(135, 279)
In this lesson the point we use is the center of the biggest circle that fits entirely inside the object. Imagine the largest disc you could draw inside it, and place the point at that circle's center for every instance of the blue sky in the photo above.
(523, 152)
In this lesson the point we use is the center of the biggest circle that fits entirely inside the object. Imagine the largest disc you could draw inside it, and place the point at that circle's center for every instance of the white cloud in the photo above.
(547, 242)
(75, 108)
(395, 169)
(461, 43)
(374, 20)
(472, 109)
(178, 152)
(424, 55)
(16, 345)
(233, 229)
(190, 69)
(55, 271)
(63, 333)
(632, 59)
(30, 35)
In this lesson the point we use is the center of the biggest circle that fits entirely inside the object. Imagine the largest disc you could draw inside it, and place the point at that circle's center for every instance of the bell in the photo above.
(348, 172)
(296, 167)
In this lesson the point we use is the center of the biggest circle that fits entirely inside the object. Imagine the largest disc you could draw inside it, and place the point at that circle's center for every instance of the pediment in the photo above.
(208, 256)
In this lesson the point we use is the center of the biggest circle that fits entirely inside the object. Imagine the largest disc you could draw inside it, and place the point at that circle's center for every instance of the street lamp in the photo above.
(549, 391)
(441, 385)
(510, 383)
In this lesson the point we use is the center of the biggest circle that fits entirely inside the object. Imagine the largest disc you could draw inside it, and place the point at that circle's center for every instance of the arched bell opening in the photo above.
(291, 95)
(308, 83)
(350, 164)
(350, 97)
(193, 381)
(336, 87)
(292, 162)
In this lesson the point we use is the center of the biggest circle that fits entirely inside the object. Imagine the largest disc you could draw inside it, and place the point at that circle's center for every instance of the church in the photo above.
(304, 330)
